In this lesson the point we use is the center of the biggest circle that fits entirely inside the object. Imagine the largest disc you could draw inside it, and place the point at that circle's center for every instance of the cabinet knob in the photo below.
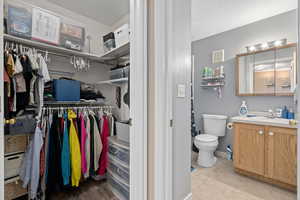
(261, 132)
(271, 133)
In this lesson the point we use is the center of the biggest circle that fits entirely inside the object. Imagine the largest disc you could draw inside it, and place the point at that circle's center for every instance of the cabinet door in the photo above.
(249, 153)
(281, 154)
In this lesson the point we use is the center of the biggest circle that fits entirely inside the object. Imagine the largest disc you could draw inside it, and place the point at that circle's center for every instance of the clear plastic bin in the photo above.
(118, 185)
(118, 169)
(117, 73)
(119, 153)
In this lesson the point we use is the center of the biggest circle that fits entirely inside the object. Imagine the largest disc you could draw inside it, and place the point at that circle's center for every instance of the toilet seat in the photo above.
(206, 138)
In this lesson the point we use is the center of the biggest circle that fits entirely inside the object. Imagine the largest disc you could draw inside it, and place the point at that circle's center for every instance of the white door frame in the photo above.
(138, 96)
(138, 99)
(1, 106)
(164, 66)
(298, 108)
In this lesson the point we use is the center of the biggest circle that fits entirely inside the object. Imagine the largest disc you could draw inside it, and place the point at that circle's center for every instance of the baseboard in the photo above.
(188, 197)
(221, 154)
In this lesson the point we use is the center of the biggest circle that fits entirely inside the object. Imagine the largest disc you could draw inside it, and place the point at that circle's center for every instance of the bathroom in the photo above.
(219, 88)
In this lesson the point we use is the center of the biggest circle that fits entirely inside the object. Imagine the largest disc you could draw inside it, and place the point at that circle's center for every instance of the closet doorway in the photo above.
(73, 99)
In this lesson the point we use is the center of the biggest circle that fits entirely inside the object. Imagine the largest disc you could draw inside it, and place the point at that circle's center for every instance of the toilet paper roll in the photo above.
(230, 126)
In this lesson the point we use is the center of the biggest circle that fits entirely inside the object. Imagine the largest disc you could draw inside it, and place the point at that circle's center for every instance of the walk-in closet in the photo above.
(66, 99)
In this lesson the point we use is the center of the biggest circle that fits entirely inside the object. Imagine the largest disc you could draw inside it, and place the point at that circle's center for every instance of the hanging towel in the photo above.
(65, 154)
(83, 143)
(104, 137)
(75, 151)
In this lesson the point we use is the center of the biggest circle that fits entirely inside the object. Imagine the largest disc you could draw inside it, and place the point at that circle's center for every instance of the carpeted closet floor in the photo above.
(91, 190)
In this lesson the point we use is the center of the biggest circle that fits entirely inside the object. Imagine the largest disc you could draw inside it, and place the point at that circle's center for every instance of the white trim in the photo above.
(162, 113)
(169, 102)
(166, 69)
(188, 197)
(138, 96)
(1, 107)
(297, 95)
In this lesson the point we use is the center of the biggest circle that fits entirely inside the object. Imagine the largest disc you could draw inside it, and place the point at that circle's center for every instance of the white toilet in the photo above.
(207, 143)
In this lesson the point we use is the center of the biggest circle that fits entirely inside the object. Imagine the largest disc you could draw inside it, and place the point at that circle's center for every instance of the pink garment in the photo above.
(104, 155)
(82, 145)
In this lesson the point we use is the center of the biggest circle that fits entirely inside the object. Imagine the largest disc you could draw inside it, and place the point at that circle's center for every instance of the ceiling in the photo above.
(106, 12)
(210, 17)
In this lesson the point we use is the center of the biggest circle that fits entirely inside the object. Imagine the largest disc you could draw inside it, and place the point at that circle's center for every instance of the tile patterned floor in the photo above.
(222, 183)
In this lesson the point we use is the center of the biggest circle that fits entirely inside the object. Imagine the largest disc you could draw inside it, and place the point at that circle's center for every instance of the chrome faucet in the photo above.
(271, 114)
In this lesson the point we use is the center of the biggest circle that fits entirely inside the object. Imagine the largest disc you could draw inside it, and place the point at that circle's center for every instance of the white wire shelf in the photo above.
(114, 81)
(117, 52)
(212, 86)
(213, 78)
(111, 55)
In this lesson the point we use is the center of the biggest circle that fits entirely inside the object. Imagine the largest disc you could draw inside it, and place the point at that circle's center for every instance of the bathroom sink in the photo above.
(261, 120)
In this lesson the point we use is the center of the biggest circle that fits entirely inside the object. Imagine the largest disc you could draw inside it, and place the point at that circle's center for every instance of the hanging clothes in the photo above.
(54, 177)
(74, 151)
(83, 145)
(30, 167)
(104, 155)
(65, 157)
(97, 144)
(87, 146)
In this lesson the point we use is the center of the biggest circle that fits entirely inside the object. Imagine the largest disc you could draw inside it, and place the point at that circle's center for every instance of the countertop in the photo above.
(279, 122)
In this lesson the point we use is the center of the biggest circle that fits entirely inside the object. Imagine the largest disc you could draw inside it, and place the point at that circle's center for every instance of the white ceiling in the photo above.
(210, 17)
(106, 12)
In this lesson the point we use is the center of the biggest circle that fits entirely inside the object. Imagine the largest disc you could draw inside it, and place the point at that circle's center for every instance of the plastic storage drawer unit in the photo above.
(118, 185)
(117, 73)
(119, 152)
(118, 169)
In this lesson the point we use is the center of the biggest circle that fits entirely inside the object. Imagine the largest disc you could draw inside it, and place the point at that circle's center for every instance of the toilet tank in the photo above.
(214, 124)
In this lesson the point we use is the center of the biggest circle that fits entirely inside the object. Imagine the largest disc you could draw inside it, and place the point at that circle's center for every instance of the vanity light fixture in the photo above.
(264, 45)
(251, 48)
(275, 43)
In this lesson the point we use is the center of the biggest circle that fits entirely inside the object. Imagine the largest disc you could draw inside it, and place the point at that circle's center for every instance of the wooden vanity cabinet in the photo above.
(249, 152)
(267, 153)
(281, 154)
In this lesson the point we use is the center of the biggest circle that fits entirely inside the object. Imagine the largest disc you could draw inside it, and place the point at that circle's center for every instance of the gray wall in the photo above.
(234, 42)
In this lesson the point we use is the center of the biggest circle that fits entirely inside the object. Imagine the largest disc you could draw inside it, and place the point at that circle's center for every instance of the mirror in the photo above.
(270, 72)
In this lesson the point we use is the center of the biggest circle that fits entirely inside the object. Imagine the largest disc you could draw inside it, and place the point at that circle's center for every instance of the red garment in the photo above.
(42, 160)
(104, 154)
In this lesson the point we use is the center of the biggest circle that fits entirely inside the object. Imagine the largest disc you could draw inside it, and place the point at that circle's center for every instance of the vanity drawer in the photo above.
(15, 143)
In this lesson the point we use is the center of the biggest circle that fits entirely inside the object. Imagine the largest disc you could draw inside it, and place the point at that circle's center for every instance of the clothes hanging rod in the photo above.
(78, 107)
(80, 103)
(52, 49)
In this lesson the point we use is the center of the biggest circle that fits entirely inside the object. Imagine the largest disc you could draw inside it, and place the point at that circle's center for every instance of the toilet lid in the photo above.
(206, 138)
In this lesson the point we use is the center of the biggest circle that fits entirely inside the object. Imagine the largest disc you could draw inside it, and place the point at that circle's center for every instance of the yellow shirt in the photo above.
(75, 152)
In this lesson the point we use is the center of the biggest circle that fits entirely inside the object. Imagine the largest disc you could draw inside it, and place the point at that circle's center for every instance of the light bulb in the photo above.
(264, 45)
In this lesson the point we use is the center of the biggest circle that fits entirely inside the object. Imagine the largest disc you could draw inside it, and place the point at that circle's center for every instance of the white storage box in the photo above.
(122, 131)
(12, 165)
(122, 35)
